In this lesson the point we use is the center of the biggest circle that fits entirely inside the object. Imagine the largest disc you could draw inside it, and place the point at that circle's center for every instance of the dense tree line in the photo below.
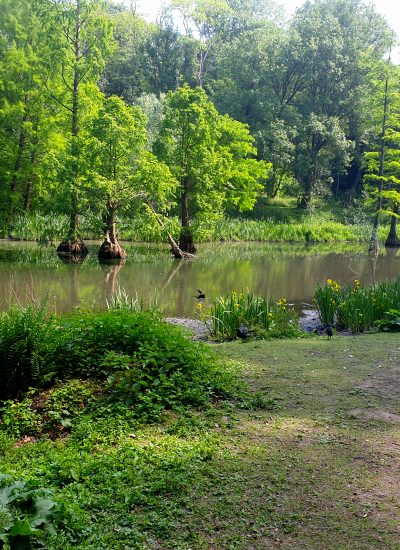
(216, 102)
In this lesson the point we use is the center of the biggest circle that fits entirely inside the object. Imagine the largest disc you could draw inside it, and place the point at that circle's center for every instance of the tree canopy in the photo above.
(277, 100)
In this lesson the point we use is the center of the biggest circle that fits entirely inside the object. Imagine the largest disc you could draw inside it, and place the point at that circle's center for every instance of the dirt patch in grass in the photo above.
(376, 414)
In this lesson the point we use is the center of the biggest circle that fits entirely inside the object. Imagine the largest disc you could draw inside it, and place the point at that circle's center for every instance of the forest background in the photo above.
(218, 106)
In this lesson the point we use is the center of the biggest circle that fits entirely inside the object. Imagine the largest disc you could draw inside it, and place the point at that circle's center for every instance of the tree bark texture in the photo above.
(186, 237)
(392, 239)
(110, 248)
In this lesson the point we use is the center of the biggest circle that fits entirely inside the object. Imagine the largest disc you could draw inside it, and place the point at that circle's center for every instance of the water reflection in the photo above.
(110, 271)
(150, 273)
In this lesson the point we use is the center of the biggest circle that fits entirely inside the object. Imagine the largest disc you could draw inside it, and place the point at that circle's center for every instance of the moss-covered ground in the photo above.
(308, 460)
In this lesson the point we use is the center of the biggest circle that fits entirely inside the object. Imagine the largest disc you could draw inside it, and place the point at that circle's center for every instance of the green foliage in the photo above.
(391, 321)
(63, 403)
(265, 230)
(158, 365)
(120, 167)
(265, 318)
(356, 307)
(211, 156)
(327, 300)
(151, 363)
(38, 227)
(28, 514)
(24, 334)
(265, 223)
(18, 418)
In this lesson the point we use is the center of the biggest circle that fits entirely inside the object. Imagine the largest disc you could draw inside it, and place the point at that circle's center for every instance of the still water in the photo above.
(281, 270)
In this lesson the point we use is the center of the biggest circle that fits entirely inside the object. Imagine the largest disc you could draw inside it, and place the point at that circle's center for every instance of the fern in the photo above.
(23, 334)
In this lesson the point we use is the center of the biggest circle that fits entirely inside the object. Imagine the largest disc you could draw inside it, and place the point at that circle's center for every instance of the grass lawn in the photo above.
(309, 461)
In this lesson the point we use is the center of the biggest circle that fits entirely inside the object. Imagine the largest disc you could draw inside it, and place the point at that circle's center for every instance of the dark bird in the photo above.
(242, 332)
(200, 294)
(329, 331)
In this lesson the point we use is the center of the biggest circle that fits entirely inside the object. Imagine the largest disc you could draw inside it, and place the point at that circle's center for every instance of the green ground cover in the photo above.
(306, 457)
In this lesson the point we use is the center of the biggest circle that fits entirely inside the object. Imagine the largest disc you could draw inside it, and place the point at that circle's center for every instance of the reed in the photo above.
(265, 318)
(290, 228)
(355, 307)
(327, 300)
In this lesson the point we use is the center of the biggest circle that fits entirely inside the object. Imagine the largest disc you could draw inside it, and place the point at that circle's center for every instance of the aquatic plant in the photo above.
(272, 225)
(356, 307)
(265, 318)
(327, 300)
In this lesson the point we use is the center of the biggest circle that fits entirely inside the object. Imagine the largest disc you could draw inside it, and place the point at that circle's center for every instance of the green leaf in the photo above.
(23, 528)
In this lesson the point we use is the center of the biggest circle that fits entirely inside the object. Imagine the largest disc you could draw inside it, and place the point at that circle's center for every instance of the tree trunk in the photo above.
(29, 183)
(186, 238)
(374, 241)
(306, 197)
(177, 252)
(111, 249)
(18, 164)
(392, 239)
(74, 243)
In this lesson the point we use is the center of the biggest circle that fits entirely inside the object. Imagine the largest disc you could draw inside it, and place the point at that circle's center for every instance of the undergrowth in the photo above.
(269, 223)
(143, 359)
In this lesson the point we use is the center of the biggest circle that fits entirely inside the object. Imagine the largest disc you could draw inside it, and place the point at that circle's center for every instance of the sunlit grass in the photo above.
(272, 224)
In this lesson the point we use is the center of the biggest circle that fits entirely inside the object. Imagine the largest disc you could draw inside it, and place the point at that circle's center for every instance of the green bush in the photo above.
(146, 360)
(391, 321)
(18, 418)
(67, 401)
(24, 335)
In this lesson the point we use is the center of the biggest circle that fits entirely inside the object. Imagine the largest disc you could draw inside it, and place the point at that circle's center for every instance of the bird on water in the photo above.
(200, 294)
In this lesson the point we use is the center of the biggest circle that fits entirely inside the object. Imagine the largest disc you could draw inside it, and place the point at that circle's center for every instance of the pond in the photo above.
(280, 270)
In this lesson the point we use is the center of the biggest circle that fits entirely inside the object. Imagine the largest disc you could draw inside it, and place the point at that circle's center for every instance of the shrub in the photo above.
(391, 321)
(18, 418)
(64, 402)
(144, 359)
(24, 334)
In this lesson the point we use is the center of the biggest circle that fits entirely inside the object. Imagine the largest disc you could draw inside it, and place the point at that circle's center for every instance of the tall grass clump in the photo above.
(356, 307)
(24, 333)
(270, 230)
(39, 227)
(327, 300)
(266, 318)
(121, 300)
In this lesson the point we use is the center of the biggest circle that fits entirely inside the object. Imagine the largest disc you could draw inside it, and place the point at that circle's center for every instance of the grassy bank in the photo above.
(308, 460)
(278, 224)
